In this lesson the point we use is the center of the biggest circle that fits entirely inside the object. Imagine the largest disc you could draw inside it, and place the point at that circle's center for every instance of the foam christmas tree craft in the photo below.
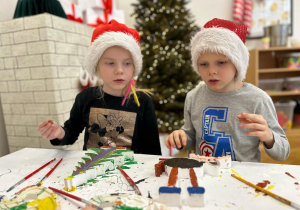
(97, 162)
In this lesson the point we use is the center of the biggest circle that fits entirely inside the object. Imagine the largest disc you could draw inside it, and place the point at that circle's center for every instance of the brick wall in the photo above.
(40, 60)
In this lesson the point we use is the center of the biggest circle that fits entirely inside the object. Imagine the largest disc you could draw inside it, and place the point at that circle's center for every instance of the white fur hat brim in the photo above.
(224, 41)
(109, 39)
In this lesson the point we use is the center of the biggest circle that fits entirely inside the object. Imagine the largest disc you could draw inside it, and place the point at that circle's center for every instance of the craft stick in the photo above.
(164, 158)
(283, 200)
(76, 198)
(131, 182)
(48, 174)
(127, 92)
(28, 176)
(135, 96)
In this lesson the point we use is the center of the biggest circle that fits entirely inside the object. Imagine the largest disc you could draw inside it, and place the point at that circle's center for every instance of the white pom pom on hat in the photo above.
(113, 34)
(225, 37)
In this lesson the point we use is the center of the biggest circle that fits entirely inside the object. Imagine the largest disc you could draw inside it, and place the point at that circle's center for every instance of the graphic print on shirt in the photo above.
(109, 127)
(215, 142)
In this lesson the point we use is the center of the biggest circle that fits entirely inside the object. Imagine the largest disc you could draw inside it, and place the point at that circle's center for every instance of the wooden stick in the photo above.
(131, 182)
(164, 158)
(76, 198)
(283, 200)
(127, 92)
(28, 176)
(135, 96)
(48, 174)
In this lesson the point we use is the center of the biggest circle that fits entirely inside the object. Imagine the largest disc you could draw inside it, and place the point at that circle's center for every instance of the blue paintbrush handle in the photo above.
(18, 183)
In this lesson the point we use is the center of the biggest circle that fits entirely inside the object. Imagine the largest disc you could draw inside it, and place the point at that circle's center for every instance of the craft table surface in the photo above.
(223, 192)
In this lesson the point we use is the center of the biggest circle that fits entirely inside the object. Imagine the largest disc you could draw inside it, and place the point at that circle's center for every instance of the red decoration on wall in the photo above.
(242, 12)
(107, 11)
(73, 16)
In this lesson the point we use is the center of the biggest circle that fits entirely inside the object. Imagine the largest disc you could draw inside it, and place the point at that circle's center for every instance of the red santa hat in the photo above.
(113, 34)
(225, 37)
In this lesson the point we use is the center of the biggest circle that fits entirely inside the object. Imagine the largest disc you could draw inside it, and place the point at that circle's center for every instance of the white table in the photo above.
(223, 192)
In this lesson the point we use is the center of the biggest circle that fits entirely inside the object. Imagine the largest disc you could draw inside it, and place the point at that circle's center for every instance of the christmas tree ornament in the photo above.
(93, 81)
(84, 79)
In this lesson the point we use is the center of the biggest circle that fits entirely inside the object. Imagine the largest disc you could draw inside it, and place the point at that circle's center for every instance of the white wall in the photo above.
(203, 11)
(7, 9)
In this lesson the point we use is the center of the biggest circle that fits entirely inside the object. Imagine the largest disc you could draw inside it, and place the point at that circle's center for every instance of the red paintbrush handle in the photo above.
(53, 168)
(65, 193)
(39, 169)
(131, 182)
(75, 197)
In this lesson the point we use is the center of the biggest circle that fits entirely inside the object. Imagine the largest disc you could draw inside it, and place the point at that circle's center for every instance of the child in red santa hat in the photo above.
(226, 116)
(109, 113)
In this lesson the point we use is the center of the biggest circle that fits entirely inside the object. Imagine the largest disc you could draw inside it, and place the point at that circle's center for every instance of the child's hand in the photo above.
(259, 127)
(176, 138)
(51, 130)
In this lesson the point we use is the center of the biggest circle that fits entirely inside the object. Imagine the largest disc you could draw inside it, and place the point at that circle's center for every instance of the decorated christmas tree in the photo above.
(166, 27)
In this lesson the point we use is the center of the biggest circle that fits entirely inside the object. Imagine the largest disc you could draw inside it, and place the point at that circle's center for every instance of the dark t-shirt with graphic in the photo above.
(108, 123)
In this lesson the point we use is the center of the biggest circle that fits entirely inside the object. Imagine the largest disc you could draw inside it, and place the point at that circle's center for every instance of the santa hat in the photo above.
(225, 37)
(113, 34)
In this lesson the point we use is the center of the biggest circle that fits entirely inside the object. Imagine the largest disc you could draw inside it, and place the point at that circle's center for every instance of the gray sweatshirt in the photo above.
(213, 129)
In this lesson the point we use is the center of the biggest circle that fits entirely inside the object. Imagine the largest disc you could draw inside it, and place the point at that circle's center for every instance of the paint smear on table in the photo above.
(287, 173)
(263, 185)
(141, 180)
(9, 171)
(124, 167)
(130, 163)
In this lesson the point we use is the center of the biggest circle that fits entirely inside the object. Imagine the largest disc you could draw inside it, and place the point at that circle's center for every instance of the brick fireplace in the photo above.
(40, 60)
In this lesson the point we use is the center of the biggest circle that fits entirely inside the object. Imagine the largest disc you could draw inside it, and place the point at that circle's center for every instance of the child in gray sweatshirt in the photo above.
(226, 116)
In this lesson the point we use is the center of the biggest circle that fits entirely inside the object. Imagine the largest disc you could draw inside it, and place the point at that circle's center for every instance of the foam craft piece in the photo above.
(196, 196)
(183, 165)
(96, 163)
(201, 167)
(170, 196)
(225, 161)
(212, 168)
(159, 168)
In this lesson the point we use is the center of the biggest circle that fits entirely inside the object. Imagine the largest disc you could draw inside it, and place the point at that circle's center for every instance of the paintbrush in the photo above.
(164, 158)
(48, 174)
(283, 200)
(131, 182)
(28, 176)
(76, 198)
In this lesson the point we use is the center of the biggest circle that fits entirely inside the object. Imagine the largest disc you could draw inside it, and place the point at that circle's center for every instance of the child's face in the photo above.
(218, 72)
(115, 68)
